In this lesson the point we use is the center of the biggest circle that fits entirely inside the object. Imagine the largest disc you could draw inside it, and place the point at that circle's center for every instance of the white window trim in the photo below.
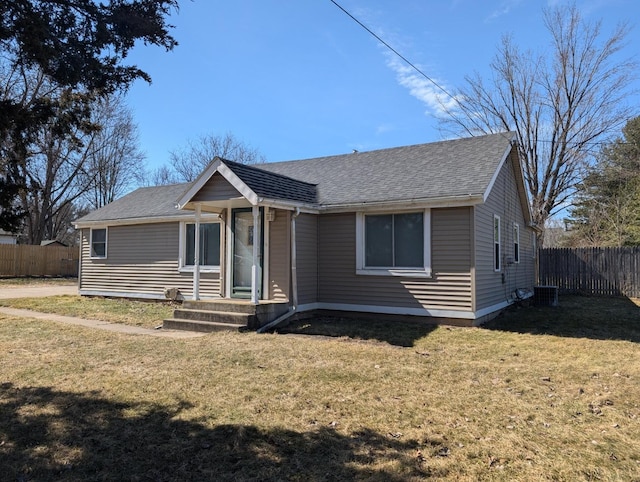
(106, 242)
(516, 243)
(493, 245)
(361, 269)
(182, 244)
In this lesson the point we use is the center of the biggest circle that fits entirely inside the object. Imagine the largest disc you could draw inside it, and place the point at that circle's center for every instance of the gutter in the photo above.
(434, 202)
(185, 216)
(294, 280)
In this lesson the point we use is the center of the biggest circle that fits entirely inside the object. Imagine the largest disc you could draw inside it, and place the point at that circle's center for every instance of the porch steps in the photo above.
(223, 315)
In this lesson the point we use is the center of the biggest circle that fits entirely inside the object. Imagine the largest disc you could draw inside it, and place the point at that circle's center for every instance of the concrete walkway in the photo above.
(32, 291)
(40, 291)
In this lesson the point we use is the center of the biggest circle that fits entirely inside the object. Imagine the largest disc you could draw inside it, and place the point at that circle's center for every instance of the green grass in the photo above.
(522, 400)
(115, 310)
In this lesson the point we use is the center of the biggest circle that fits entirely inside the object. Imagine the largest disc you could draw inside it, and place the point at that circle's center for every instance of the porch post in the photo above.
(255, 210)
(196, 260)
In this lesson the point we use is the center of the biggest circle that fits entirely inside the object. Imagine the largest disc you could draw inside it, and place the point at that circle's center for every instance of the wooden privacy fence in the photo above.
(27, 260)
(598, 271)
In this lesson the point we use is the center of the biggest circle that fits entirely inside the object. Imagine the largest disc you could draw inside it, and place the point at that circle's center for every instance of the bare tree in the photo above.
(115, 163)
(81, 48)
(95, 161)
(560, 104)
(188, 162)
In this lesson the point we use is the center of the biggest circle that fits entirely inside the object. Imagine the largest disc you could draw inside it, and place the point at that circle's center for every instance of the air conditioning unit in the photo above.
(545, 295)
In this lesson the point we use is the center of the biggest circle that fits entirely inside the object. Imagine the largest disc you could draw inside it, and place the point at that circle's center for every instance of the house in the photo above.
(7, 237)
(440, 230)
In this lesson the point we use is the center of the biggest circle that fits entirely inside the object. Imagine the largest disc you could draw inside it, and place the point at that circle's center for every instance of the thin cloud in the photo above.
(505, 7)
(384, 128)
(437, 102)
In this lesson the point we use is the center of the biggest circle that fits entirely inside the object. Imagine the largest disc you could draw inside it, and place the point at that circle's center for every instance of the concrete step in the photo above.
(200, 326)
(221, 305)
(214, 316)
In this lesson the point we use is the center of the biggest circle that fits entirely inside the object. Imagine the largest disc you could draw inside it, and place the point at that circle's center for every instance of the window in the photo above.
(393, 244)
(516, 243)
(99, 243)
(534, 248)
(209, 245)
(497, 266)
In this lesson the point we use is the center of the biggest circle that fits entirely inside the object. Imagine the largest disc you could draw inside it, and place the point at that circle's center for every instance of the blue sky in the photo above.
(300, 79)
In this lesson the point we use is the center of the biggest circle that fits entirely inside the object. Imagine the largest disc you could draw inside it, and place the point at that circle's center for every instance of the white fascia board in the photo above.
(147, 220)
(289, 206)
(440, 202)
(521, 187)
(217, 165)
(199, 183)
(238, 183)
(496, 173)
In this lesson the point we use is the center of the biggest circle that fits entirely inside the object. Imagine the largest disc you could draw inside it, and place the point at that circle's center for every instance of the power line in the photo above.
(419, 71)
(404, 59)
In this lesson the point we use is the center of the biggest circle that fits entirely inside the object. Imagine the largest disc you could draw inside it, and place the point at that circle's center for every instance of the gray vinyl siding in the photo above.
(142, 260)
(307, 258)
(279, 257)
(216, 189)
(504, 201)
(448, 289)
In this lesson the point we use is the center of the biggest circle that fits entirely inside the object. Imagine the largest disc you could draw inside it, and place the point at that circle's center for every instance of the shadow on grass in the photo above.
(399, 333)
(51, 435)
(576, 316)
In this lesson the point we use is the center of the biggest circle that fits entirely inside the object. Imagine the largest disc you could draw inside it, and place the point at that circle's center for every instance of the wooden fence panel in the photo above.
(598, 271)
(27, 260)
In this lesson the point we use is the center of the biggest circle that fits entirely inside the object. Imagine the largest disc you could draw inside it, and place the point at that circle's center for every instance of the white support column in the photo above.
(196, 261)
(255, 275)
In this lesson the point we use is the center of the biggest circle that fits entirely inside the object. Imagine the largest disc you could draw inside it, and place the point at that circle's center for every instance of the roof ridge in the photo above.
(506, 134)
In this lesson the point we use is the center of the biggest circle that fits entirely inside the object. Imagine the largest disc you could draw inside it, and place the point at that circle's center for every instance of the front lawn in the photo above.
(147, 314)
(522, 400)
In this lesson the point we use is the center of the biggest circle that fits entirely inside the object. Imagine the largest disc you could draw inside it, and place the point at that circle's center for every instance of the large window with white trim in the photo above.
(209, 246)
(394, 243)
(98, 242)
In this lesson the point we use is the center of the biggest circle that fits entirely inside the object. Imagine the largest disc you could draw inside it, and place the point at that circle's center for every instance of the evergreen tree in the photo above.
(79, 47)
(607, 212)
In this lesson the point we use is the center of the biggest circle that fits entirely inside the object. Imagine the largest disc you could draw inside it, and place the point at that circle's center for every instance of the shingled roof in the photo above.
(274, 185)
(145, 202)
(461, 168)
(441, 169)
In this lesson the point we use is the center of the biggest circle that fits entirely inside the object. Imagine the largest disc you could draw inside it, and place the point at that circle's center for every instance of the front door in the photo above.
(243, 230)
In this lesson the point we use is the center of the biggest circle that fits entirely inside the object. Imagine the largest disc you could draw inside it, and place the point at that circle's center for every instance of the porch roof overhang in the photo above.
(250, 185)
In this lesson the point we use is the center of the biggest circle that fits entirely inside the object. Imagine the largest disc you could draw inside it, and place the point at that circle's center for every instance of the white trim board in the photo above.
(133, 295)
(399, 310)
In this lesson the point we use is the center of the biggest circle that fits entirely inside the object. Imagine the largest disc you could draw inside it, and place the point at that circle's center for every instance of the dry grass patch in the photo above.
(458, 404)
(37, 281)
(116, 310)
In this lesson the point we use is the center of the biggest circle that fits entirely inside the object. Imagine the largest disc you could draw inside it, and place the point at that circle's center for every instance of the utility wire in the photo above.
(409, 63)
(414, 67)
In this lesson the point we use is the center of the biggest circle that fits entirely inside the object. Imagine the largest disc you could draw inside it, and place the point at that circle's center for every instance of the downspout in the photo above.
(294, 280)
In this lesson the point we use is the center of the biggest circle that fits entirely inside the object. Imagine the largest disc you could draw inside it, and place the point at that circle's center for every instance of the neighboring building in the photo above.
(8, 238)
(440, 230)
(52, 242)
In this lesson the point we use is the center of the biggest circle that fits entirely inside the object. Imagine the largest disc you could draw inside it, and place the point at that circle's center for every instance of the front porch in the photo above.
(224, 315)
